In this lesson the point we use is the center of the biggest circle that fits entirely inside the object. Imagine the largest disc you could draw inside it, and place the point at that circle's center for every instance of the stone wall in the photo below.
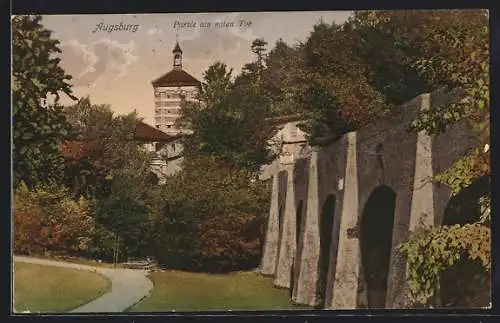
(358, 169)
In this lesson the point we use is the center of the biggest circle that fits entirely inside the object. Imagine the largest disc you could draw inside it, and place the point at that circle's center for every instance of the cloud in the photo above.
(153, 31)
(78, 59)
(105, 58)
(119, 57)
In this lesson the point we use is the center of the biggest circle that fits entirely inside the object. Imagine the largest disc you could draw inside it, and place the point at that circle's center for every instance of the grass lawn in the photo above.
(185, 291)
(39, 288)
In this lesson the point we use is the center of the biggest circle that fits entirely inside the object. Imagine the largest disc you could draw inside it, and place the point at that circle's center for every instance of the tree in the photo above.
(49, 220)
(212, 217)
(217, 84)
(89, 121)
(280, 77)
(125, 212)
(258, 47)
(231, 126)
(336, 95)
(392, 42)
(113, 169)
(107, 147)
(38, 125)
(373, 69)
(213, 214)
(379, 45)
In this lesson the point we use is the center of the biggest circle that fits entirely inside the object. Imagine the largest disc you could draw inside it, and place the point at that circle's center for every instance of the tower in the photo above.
(170, 90)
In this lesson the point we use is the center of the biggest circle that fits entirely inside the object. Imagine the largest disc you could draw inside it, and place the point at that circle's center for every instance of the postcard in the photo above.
(254, 161)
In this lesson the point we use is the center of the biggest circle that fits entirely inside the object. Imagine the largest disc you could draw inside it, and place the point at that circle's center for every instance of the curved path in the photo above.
(128, 286)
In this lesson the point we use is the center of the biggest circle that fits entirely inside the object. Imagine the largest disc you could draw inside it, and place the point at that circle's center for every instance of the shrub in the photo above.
(50, 220)
(218, 243)
(102, 244)
(27, 234)
(212, 220)
(223, 244)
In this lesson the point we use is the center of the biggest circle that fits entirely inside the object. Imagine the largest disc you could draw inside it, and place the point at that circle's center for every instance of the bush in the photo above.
(212, 220)
(102, 244)
(215, 244)
(126, 212)
(27, 233)
(50, 220)
(223, 244)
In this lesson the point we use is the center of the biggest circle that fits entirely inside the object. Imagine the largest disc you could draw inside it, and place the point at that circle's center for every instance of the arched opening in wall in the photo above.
(280, 221)
(282, 191)
(298, 218)
(295, 265)
(280, 231)
(376, 227)
(265, 217)
(466, 284)
(325, 241)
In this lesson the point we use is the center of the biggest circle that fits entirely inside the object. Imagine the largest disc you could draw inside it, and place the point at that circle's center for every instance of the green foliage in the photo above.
(430, 252)
(38, 125)
(102, 243)
(258, 47)
(465, 170)
(50, 220)
(114, 170)
(383, 59)
(89, 120)
(323, 122)
(457, 56)
(280, 78)
(124, 211)
(454, 47)
(217, 83)
(378, 42)
(336, 94)
(230, 121)
(212, 219)
(108, 148)
(377, 66)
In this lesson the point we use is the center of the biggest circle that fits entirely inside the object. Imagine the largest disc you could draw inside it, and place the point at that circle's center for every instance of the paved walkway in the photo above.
(128, 286)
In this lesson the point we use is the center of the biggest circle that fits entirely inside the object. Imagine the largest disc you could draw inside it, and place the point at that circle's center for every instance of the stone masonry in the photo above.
(385, 156)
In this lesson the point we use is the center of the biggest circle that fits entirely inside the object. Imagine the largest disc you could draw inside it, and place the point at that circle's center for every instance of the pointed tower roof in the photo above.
(177, 76)
(177, 48)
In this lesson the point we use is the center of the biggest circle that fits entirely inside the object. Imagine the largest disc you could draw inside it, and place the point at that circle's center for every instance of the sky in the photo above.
(116, 67)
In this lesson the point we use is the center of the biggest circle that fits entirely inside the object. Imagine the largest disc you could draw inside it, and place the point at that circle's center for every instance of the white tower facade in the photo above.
(170, 90)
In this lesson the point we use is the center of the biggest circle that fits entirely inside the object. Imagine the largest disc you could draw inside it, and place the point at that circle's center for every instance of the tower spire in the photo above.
(177, 54)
